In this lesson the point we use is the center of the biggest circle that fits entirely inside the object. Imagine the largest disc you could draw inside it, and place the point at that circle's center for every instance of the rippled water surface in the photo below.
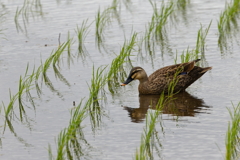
(195, 129)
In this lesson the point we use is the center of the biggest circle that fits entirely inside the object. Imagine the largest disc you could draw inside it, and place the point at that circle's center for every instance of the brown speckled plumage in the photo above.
(160, 80)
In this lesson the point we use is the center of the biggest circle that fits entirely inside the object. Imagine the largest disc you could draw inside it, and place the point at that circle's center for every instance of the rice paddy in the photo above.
(63, 62)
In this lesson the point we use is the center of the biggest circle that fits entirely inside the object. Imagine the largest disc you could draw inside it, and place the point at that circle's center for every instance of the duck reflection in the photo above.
(181, 104)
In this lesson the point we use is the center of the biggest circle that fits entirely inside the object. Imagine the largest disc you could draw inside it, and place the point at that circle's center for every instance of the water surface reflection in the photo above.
(181, 104)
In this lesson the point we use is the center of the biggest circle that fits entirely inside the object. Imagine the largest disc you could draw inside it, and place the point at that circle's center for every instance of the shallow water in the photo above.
(194, 130)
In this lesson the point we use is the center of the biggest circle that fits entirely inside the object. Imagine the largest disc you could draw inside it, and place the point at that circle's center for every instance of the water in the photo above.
(193, 132)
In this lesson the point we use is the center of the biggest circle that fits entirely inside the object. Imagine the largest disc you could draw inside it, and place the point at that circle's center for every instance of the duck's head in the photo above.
(136, 73)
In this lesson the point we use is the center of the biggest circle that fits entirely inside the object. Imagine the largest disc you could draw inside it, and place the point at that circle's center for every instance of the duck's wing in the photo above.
(173, 70)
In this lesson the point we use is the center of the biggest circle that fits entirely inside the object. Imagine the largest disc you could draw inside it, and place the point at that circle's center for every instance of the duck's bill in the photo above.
(129, 79)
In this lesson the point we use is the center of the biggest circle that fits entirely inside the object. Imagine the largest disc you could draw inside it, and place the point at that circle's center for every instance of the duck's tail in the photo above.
(190, 65)
(206, 69)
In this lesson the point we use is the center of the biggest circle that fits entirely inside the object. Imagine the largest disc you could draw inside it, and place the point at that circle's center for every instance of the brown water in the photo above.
(195, 129)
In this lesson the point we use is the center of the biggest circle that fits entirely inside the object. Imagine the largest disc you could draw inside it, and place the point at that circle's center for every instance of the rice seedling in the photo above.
(24, 87)
(54, 59)
(232, 135)
(82, 33)
(102, 21)
(186, 56)
(201, 38)
(30, 8)
(8, 110)
(149, 137)
(69, 54)
(180, 11)
(149, 41)
(116, 7)
(228, 23)
(37, 75)
(155, 29)
(45, 67)
(98, 81)
(228, 18)
(160, 17)
(117, 72)
(71, 140)
(189, 55)
(55, 62)
(182, 4)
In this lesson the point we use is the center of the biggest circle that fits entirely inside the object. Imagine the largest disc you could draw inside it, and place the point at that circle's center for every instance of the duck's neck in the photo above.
(143, 86)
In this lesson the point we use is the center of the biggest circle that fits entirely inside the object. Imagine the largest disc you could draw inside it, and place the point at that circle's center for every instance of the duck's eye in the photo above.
(134, 73)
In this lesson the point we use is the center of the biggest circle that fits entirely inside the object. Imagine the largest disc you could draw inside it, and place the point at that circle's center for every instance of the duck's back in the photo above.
(165, 78)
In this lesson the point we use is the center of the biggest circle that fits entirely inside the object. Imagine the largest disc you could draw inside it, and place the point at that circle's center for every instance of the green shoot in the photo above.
(232, 135)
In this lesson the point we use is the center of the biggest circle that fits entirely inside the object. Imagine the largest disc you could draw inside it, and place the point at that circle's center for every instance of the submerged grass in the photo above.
(232, 136)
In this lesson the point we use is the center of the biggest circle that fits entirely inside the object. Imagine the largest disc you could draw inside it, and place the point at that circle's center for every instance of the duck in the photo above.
(174, 78)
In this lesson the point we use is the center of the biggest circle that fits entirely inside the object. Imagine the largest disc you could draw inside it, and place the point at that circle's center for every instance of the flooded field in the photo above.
(62, 63)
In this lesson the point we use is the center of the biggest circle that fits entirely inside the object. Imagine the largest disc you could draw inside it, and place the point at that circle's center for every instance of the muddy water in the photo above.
(194, 130)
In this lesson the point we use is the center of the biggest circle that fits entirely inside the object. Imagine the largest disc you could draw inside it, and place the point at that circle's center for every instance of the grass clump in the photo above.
(232, 136)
